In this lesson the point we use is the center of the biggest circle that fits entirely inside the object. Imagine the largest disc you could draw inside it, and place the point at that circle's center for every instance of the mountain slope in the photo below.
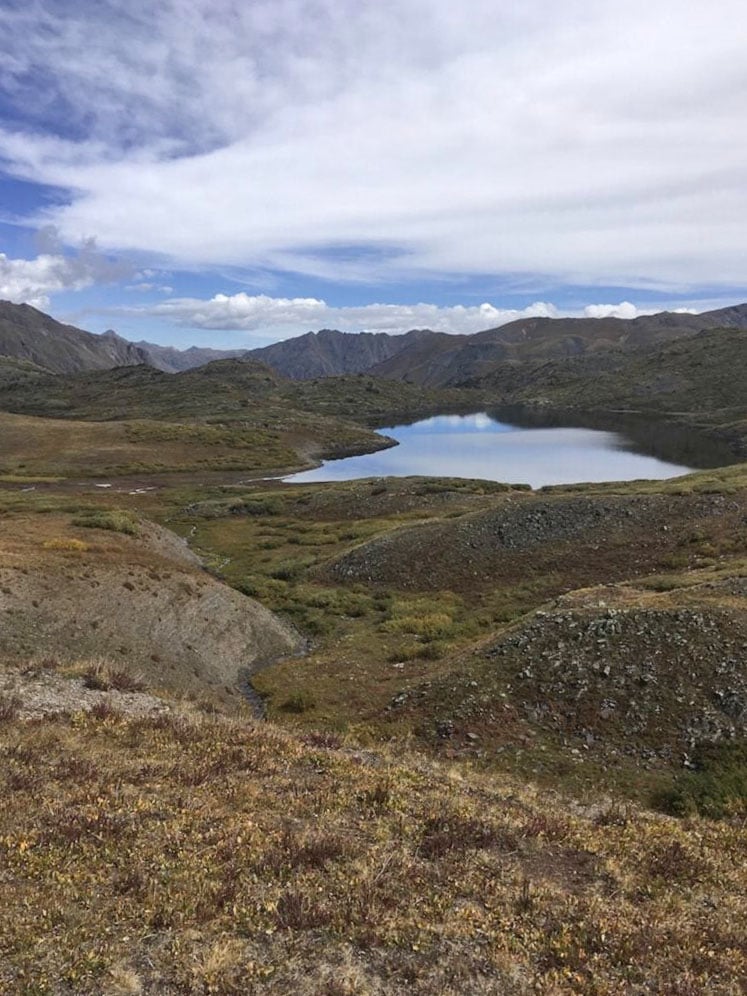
(438, 359)
(28, 334)
(703, 373)
(468, 359)
(329, 353)
(172, 360)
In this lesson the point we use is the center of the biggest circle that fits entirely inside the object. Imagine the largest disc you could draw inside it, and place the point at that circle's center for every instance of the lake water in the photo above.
(480, 446)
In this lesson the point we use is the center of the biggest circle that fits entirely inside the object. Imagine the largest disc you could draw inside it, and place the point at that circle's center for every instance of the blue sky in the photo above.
(230, 173)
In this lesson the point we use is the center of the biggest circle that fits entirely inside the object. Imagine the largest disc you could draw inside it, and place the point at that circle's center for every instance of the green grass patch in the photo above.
(716, 787)
(114, 520)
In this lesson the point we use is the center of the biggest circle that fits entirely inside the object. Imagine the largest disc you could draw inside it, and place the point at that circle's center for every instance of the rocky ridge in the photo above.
(593, 531)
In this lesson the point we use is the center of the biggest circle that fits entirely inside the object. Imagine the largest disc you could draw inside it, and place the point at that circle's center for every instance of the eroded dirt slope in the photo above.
(142, 601)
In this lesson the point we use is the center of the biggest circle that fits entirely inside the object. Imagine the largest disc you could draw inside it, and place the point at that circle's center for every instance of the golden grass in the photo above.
(65, 543)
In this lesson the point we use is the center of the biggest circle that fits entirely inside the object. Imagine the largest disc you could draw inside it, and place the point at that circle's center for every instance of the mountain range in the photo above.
(421, 357)
(436, 359)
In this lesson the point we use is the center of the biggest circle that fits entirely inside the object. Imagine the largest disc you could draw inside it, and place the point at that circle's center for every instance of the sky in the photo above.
(231, 173)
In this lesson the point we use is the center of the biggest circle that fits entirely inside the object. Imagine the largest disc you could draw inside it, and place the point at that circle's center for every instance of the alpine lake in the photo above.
(526, 448)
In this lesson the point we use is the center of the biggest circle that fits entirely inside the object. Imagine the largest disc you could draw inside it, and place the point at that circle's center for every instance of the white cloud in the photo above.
(591, 143)
(292, 316)
(623, 310)
(144, 287)
(32, 281)
(627, 310)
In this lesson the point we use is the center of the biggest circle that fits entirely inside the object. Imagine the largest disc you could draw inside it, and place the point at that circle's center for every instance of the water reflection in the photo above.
(480, 446)
(642, 433)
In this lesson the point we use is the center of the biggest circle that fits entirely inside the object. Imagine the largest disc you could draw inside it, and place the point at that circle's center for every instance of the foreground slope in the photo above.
(171, 854)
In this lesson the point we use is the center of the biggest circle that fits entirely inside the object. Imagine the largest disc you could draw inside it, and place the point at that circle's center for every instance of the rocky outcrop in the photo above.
(612, 671)
(656, 676)
(596, 537)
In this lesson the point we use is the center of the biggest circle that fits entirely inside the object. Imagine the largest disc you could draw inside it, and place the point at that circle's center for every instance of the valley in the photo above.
(486, 710)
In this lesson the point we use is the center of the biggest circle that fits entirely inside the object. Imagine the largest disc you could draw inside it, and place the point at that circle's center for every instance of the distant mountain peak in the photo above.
(28, 334)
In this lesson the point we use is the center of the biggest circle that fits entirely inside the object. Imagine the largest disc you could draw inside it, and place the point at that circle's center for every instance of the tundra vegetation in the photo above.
(506, 740)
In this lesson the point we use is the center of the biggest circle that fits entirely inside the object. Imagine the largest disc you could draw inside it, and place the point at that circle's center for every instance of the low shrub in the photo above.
(429, 626)
(115, 521)
(66, 543)
(9, 707)
(716, 787)
(298, 702)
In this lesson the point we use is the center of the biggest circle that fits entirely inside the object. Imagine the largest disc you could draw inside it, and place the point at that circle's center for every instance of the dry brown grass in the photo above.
(104, 676)
(187, 856)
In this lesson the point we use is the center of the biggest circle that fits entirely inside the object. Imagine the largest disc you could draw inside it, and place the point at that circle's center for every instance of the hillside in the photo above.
(228, 387)
(28, 334)
(698, 380)
(98, 585)
(229, 415)
(173, 853)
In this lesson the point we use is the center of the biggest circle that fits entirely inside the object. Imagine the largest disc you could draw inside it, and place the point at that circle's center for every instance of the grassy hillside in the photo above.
(227, 416)
(399, 584)
(226, 388)
(175, 854)
(34, 448)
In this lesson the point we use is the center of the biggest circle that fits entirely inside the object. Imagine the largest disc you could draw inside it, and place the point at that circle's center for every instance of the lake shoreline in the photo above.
(479, 446)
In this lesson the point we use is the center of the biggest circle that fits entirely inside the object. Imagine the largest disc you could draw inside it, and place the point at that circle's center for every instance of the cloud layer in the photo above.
(32, 281)
(281, 317)
(361, 140)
